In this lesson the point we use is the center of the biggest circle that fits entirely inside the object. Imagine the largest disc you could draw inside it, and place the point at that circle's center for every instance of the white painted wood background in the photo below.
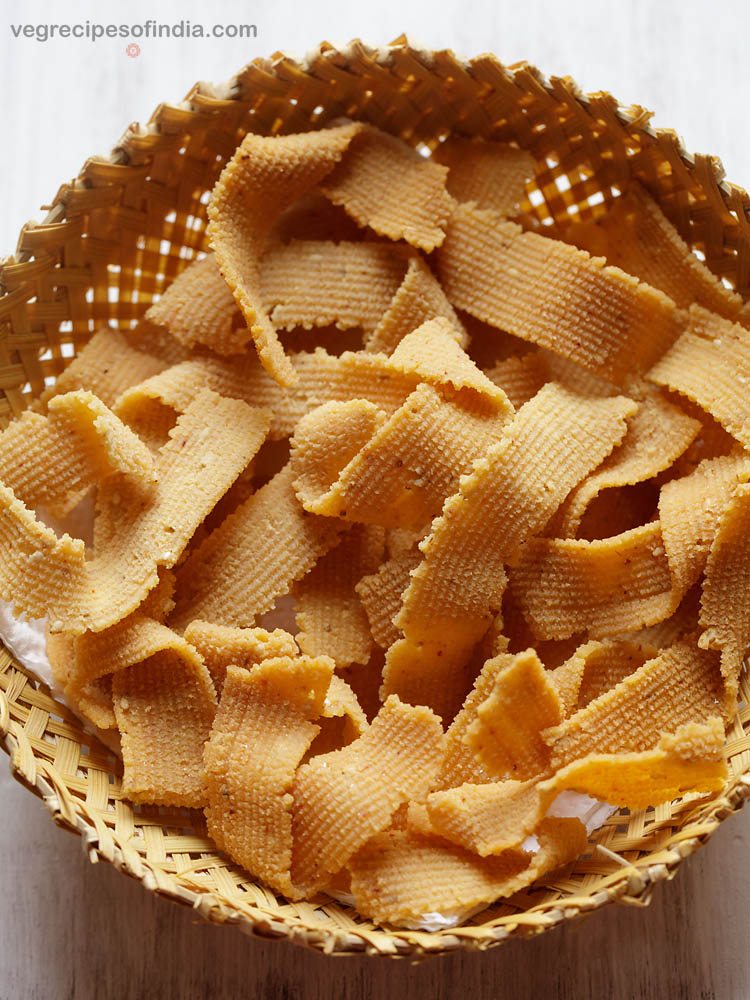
(70, 930)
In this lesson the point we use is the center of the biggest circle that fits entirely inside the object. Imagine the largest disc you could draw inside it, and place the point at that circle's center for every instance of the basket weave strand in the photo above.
(122, 231)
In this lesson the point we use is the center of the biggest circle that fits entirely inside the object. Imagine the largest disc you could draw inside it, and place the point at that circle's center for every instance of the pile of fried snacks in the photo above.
(493, 473)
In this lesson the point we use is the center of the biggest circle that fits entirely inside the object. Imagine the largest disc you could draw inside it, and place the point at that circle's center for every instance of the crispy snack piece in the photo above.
(342, 799)
(313, 283)
(52, 461)
(690, 509)
(710, 364)
(488, 818)
(264, 175)
(329, 613)
(554, 295)
(681, 685)
(199, 308)
(725, 605)
(405, 466)
(263, 728)
(341, 722)
(164, 704)
(596, 667)
(658, 433)
(401, 877)
(418, 299)
(509, 495)
(386, 185)
(253, 557)
(491, 174)
(222, 646)
(639, 238)
(521, 376)
(381, 593)
(213, 441)
(506, 733)
(106, 366)
(607, 587)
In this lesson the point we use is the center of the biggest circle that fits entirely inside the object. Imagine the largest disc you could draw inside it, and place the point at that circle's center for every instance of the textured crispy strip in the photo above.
(710, 364)
(641, 240)
(690, 509)
(199, 308)
(164, 704)
(253, 557)
(402, 876)
(263, 728)
(505, 735)
(487, 818)
(419, 298)
(106, 366)
(608, 586)
(681, 685)
(522, 375)
(343, 799)
(53, 461)
(689, 760)
(725, 605)
(222, 646)
(554, 295)
(384, 184)
(596, 667)
(491, 174)
(264, 175)
(314, 217)
(342, 720)
(156, 341)
(330, 616)
(381, 593)
(658, 433)
(313, 283)
(509, 495)
(213, 441)
(401, 475)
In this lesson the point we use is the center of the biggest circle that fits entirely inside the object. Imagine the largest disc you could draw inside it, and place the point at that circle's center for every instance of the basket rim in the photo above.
(632, 884)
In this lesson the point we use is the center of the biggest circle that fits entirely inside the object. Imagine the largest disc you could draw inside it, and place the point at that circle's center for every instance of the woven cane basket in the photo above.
(128, 224)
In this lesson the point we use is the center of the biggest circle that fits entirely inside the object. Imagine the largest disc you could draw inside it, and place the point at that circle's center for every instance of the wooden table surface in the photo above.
(72, 930)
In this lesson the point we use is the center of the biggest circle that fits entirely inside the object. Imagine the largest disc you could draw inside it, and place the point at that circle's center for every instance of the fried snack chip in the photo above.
(491, 174)
(418, 299)
(690, 509)
(509, 495)
(253, 557)
(710, 364)
(263, 728)
(52, 461)
(222, 646)
(725, 605)
(386, 185)
(681, 685)
(596, 667)
(405, 465)
(330, 616)
(341, 722)
(107, 366)
(639, 238)
(312, 283)
(164, 705)
(553, 295)
(606, 587)
(521, 376)
(45, 576)
(381, 593)
(506, 733)
(199, 308)
(402, 877)
(658, 433)
(342, 799)
(485, 818)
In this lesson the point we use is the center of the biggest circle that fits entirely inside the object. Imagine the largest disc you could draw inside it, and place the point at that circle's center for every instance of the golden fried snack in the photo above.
(509, 495)
(342, 799)
(330, 616)
(486, 818)
(263, 728)
(491, 174)
(555, 296)
(381, 593)
(222, 646)
(342, 720)
(596, 667)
